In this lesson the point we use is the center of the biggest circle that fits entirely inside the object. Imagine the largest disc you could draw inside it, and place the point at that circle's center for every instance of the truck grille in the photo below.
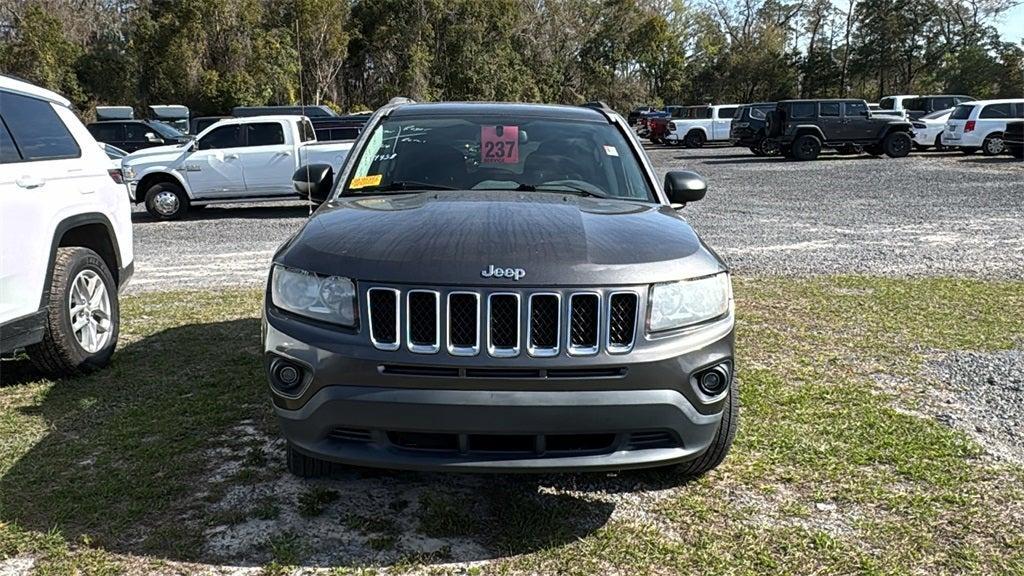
(503, 323)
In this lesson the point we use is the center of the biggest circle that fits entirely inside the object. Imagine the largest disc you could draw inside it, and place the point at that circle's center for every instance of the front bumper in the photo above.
(360, 406)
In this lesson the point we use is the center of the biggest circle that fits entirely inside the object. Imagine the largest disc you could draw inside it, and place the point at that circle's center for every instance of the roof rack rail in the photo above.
(400, 100)
(599, 105)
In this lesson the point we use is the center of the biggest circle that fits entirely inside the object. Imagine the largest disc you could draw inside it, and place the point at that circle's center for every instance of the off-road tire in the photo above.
(768, 147)
(164, 187)
(694, 139)
(721, 443)
(757, 150)
(897, 144)
(993, 145)
(59, 354)
(806, 147)
(305, 466)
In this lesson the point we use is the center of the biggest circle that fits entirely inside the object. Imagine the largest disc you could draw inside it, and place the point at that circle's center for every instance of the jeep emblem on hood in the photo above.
(513, 273)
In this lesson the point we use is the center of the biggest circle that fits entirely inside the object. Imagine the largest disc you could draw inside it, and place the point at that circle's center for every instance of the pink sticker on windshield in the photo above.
(499, 144)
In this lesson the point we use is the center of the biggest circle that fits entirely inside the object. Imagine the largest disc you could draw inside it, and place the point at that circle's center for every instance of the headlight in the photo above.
(679, 304)
(327, 298)
(128, 171)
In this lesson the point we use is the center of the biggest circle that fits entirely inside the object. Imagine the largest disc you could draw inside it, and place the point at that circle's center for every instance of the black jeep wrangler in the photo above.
(801, 128)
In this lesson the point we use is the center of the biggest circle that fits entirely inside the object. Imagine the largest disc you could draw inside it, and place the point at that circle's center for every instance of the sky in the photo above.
(1011, 25)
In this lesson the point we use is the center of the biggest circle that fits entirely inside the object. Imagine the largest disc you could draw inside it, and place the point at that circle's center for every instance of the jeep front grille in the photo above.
(503, 323)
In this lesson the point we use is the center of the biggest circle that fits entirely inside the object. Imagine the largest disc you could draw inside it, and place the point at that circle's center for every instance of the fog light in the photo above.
(715, 379)
(285, 375)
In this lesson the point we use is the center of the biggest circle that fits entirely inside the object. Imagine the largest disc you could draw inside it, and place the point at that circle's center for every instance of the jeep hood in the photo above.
(449, 238)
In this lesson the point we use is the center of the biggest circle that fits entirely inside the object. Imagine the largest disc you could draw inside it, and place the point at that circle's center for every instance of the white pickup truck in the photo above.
(234, 160)
(702, 124)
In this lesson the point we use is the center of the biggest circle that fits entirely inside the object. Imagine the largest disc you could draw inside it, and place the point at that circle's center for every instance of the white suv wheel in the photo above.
(89, 309)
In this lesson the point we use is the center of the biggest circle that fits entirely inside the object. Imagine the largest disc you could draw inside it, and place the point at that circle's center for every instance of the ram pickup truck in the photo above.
(702, 124)
(234, 160)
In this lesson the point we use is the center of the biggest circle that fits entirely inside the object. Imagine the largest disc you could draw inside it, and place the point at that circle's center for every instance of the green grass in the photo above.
(829, 474)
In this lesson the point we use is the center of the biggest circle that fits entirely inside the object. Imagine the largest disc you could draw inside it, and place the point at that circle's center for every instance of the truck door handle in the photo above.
(285, 153)
(29, 182)
(231, 156)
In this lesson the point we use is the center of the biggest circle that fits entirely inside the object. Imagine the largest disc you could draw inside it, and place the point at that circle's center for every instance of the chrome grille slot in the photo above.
(423, 324)
(622, 307)
(503, 324)
(383, 317)
(584, 323)
(545, 321)
(463, 323)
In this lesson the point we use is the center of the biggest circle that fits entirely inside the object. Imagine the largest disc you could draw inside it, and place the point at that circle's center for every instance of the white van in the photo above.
(979, 125)
(65, 234)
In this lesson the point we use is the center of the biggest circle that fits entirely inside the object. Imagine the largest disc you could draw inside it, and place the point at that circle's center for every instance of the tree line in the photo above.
(357, 54)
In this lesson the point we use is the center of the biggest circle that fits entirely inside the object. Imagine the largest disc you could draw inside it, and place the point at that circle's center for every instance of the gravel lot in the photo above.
(928, 214)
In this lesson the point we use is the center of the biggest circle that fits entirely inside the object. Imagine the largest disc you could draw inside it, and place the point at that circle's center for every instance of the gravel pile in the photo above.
(983, 394)
(928, 214)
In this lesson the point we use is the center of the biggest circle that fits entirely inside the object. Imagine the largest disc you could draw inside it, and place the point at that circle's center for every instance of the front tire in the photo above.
(897, 145)
(82, 316)
(694, 139)
(720, 445)
(806, 147)
(167, 201)
(993, 145)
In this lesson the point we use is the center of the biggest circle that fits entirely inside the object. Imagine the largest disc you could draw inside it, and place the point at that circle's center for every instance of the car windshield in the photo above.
(524, 153)
(164, 130)
(937, 115)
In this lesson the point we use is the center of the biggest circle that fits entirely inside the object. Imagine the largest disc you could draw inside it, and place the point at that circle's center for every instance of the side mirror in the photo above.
(314, 182)
(684, 186)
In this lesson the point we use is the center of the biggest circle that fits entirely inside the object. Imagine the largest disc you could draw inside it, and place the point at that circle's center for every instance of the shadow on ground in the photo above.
(172, 452)
(222, 212)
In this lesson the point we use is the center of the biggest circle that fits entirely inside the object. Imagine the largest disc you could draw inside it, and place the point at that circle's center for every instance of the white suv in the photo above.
(979, 125)
(65, 235)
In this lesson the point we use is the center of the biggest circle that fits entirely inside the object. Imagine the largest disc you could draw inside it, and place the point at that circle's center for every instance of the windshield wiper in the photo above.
(560, 188)
(406, 186)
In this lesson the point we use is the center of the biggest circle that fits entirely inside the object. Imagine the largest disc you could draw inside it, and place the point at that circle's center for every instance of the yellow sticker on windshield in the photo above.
(364, 181)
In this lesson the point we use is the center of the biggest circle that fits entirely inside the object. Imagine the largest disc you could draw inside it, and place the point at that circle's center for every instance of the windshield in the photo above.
(525, 153)
(164, 130)
(938, 115)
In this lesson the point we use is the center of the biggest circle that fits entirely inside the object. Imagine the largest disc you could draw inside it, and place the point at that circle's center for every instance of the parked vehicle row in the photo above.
(849, 126)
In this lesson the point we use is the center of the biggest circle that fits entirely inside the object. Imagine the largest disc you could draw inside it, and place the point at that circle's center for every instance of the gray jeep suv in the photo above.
(499, 287)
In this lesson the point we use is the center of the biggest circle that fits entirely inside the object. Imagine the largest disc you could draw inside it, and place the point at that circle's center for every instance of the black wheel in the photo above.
(993, 145)
(873, 149)
(897, 144)
(694, 139)
(305, 466)
(769, 147)
(82, 316)
(806, 147)
(756, 150)
(968, 150)
(721, 443)
(167, 201)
